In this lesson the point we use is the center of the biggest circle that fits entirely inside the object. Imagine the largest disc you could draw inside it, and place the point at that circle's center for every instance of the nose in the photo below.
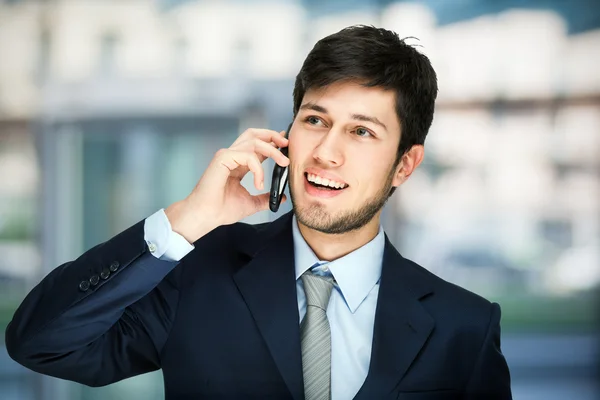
(328, 151)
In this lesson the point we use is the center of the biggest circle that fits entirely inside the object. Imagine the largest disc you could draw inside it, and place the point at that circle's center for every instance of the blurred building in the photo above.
(513, 156)
(111, 109)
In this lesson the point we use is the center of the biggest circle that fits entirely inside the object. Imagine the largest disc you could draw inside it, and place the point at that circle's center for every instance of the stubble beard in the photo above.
(316, 217)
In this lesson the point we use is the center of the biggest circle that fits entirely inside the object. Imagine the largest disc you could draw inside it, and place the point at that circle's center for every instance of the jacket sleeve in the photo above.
(101, 318)
(490, 378)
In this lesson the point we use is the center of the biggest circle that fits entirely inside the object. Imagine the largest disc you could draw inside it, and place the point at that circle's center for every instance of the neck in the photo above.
(329, 247)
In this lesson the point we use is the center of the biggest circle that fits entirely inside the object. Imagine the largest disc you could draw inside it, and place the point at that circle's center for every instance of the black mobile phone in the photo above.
(279, 180)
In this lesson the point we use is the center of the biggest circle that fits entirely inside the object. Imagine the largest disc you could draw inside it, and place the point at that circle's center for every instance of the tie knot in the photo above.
(317, 289)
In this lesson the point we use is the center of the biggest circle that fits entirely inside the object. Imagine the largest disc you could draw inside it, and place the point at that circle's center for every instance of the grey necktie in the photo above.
(316, 337)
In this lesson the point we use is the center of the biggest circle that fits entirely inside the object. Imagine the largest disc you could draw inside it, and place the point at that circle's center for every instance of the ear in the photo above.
(408, 163)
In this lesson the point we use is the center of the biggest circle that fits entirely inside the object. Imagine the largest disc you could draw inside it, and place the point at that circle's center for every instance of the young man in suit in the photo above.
(317, 304)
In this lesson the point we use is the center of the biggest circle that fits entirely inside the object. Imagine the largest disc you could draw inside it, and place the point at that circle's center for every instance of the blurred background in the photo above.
(111, 109)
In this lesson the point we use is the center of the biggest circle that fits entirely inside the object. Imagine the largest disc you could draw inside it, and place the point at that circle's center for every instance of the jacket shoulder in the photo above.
(239, 237)
(460, 302)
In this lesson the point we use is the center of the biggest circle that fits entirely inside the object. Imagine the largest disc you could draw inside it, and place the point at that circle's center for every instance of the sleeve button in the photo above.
(94, 280)
(114, 266)
(84, 285)
(151, 247)
(105, 273)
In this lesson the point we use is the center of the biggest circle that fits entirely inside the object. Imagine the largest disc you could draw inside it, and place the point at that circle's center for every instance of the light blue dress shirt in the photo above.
(163, 242)
(351, 309)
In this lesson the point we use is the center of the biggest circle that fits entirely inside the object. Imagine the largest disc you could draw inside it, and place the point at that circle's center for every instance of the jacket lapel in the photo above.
(268, 286)
(402, 325)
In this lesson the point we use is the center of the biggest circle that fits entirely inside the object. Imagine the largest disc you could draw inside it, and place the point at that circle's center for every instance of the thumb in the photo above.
(261, 201)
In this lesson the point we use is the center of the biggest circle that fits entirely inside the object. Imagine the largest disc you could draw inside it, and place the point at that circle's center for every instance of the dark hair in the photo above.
(375, 57)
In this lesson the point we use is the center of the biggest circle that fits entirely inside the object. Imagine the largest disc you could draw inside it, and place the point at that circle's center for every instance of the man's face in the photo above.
(344, 136)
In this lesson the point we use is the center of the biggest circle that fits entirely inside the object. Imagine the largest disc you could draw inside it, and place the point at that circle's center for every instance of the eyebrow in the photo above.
(357, 117)
(366, 118)
(314, 107)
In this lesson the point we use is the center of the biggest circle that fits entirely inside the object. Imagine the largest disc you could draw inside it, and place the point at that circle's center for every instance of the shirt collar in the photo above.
(355, 274)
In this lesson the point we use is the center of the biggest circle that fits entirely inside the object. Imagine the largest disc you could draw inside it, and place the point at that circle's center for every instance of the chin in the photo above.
(332, 219)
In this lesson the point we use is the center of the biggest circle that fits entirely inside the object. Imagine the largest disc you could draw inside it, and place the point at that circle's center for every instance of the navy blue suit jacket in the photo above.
(223, 322)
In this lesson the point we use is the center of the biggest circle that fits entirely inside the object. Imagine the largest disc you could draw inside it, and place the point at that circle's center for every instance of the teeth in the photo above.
(325, 182)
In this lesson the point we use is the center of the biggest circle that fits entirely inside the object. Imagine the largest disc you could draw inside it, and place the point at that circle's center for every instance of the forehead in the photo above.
(346, 98)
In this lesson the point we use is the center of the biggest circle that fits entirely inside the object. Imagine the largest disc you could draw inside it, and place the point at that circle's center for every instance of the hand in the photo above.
(219, 197)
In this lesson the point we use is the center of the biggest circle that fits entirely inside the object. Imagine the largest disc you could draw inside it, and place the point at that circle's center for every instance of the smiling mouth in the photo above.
(322, 187)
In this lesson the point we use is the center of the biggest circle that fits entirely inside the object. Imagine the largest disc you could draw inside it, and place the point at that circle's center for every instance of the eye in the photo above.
(313, 120)
(362, 132)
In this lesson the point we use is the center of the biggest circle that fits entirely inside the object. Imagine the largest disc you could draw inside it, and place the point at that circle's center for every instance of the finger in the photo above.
(271, 136)
(266, 135)
(253, 163)
(280, 140)
(266, 150)
(255, 166)
(232, 159)
(277, 141)
(283, 134)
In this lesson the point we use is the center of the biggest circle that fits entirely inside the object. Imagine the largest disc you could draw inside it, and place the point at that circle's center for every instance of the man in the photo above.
(317, 304)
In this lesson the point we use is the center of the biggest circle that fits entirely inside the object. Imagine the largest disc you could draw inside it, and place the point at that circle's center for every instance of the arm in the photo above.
(103, 317)
(490, 378)
(107, 315)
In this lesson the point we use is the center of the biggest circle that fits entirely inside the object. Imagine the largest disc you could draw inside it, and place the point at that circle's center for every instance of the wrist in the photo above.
(186, 222)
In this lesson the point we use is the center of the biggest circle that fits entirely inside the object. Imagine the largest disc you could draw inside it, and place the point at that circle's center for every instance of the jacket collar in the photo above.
(268, 285)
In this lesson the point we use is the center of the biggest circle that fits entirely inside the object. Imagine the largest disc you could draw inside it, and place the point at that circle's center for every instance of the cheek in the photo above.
(298, 153)
(296, 161)
(372, 172)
